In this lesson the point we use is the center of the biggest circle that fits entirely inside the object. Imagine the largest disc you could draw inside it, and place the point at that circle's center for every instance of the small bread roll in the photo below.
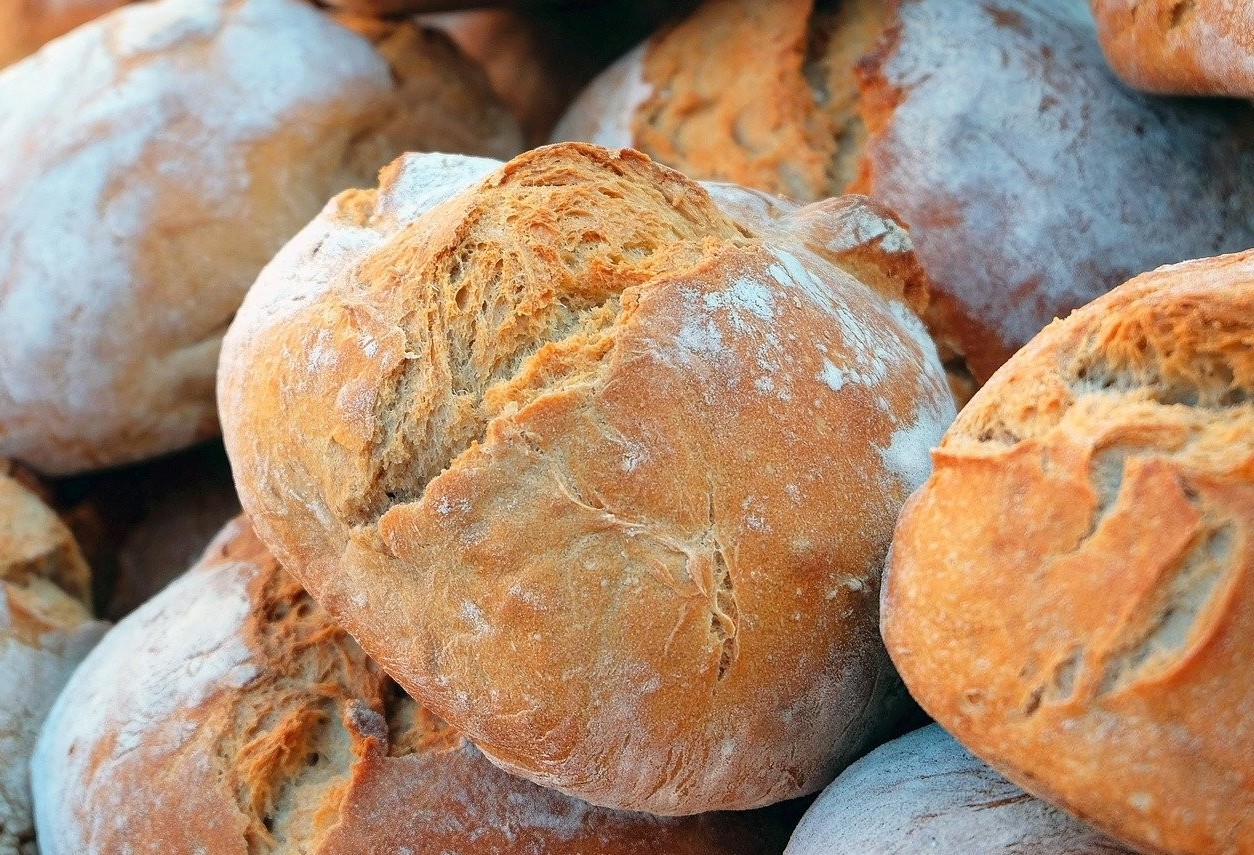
(167, 151)
(230, 715)
(924, 793)
(1180, 47)
(1031, 180)
(25, 25)
(1072, 592)
(45, 629)
(599, 463)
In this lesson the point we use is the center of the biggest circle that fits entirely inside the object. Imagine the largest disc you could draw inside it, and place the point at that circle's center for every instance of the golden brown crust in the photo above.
(278, 735)
(25, 25)
(1083, 623)
(598, 462)
(1180, 47)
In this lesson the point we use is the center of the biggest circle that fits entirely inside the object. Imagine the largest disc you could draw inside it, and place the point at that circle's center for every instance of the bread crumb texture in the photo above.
(925, 793)
(1180, 47)
(230, 715)
(160, 156)
(45, 629)
(600, 464)
(1032, 181)
(1070, 593)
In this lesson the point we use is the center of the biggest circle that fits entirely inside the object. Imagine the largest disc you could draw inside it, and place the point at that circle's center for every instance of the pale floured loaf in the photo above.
(925, 793)
(229, 715)
(1031, 180)
(599, 463)
(1180, 47)
(45, 629)
(161, 155)
(1071, 594)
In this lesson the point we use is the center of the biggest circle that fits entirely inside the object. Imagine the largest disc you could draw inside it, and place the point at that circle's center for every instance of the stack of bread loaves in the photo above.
(611, 497)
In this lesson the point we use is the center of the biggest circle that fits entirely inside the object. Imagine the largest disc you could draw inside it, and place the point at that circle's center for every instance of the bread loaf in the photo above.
(230, 715)
(25, 25)
(599, 463)
(1180, 47)
(167, 151)
(1071, 594)
(925, 793)
(45, 629)
(1030, 179)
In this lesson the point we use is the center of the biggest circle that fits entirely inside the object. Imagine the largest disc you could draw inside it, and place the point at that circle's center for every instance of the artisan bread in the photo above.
(168, 150)
(27, 24)
(924, 792)
(45, 629)
(230, 715)
(1198, 47)
(1030, 179)
(1072, 592)
(600, 464)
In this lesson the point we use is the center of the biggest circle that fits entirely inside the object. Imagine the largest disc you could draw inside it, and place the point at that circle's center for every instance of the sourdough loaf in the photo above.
(925, 793)
(1031, 180)
(1071, 594)
(167, 150)
(230, 715)
(599, 463)
(45, 629)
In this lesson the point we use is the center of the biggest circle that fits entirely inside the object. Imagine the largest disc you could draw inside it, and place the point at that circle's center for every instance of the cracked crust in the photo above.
(45, 629)
(230, 715)
(1180, 47)
(1032, 181)
(1084, 624)
(147, 138)
(924, 793)
(599, 463)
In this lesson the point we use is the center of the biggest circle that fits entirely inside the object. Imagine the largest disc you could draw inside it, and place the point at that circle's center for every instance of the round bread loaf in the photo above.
(167, 151)
(1072, 592)
(27, 24)
(230, 715)
(600, 464)
(1030, 179)
(925, 793)
(45, 629)
(1180, 47)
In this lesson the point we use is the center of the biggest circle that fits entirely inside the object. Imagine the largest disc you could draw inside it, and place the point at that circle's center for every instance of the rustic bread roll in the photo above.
(1031, 180)
(598, 463)
(1180, 47)
(167, 151)
(230, 715)
(27, 24)
(1072, 592)
(45, 629)
(924, 793)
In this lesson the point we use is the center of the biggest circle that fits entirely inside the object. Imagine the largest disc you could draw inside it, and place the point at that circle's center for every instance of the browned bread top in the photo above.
(230, 715)
(599, 463)
(1072, 591)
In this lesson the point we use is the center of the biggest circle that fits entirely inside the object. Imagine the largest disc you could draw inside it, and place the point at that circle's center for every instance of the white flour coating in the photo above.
(603, 112)
(925, 793)
(149, 673)
(1056, 181)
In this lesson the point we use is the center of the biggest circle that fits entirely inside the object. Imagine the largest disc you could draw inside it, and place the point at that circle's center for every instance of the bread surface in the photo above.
(246, 721)
(923, 792)
(26, 25)
(1070, 593)
(1198, 47)
(599, 463)
(45, 629)
(168, 150)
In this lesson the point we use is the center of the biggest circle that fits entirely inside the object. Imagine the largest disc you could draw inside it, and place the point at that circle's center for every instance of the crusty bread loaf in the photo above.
(25, 25)
(1030, 179)
(167, 151)
(1180, 47)
(598, 463)
(230, 715)
(45, 629)
(924, 793)
(1072, 592)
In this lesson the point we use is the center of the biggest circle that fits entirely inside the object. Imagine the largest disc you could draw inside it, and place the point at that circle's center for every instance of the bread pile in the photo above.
(717, 479)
